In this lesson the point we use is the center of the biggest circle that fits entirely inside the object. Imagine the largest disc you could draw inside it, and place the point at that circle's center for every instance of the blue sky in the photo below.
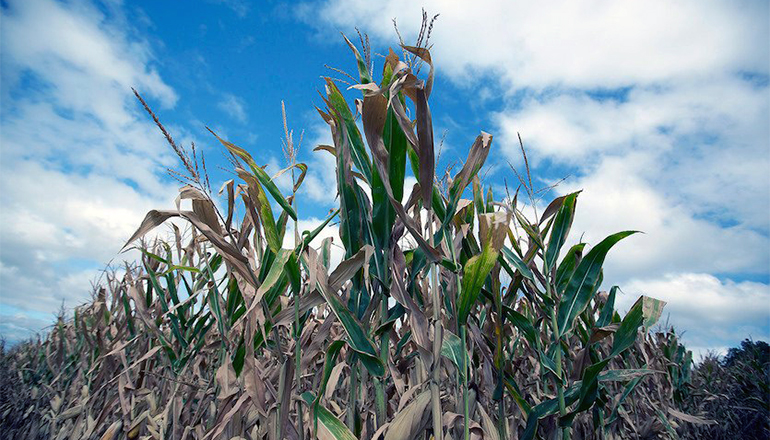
(659, 111)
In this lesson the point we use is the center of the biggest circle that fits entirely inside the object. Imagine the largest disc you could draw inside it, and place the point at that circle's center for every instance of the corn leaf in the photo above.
(406, 423)
(259, 173)
(329, 426)
(582, 284)
(560, 230)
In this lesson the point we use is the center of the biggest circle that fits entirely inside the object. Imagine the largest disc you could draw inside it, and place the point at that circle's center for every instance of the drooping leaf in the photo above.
(155, 218)
(406, 423)
(307, 237)
(623, 339)
(644, 313)
(690, 418)
(425, 139)
(476, 157)
(544, 409)
(329, 426)
(524, 325)
(374, 119)
(259, 173)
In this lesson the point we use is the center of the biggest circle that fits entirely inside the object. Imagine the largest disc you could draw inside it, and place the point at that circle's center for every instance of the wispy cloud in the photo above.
(234, 106)
(240, 7)
(83, 162)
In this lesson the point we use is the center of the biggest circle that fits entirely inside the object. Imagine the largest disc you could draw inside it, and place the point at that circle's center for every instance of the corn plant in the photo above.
(452, 314)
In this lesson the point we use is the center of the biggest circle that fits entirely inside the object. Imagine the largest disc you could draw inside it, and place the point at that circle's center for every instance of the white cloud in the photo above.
(713, 314)
(20, 326)
(234, 106)
(709, 141)
(81, 164)
(567, 43)
(615, 198)
(69, 45)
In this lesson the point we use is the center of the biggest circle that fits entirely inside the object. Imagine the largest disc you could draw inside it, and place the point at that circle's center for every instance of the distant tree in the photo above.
(749, 351)
(734, 391)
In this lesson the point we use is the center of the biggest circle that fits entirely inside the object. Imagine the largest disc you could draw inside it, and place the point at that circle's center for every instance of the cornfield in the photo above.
(452, 315)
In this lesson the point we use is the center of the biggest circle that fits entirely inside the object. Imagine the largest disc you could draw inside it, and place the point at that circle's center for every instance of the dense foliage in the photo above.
(734, 390)
(453, 314)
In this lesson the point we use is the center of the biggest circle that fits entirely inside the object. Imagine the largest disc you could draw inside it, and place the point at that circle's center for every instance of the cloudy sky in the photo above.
(659, 111)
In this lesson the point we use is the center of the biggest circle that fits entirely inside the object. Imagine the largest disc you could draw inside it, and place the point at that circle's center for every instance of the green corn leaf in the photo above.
(350, 210)
(644, 313)
(513, 388)
(332, 351)
(560, 230)
(645, 310)
(396, 144)
(529, 229)
(308, 236)
(518, 263)
(476, 271)
(478, 196)
(358, 340)
(347, 124)
(281, 225)
(258, 196)
(492, 230)
(605, 317)
(567, 266)
(383, 212)
(155, 257)
(550, 365)
(175, 327)
(276, 271)
(239, 357)
(127, 311)
(490, 201)
(329, 426)
(664, 420)
(174, 267)
(582, 284)
(363, 70)
(545, 409)
(523, 324)
(452, 349)
(626, 392)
